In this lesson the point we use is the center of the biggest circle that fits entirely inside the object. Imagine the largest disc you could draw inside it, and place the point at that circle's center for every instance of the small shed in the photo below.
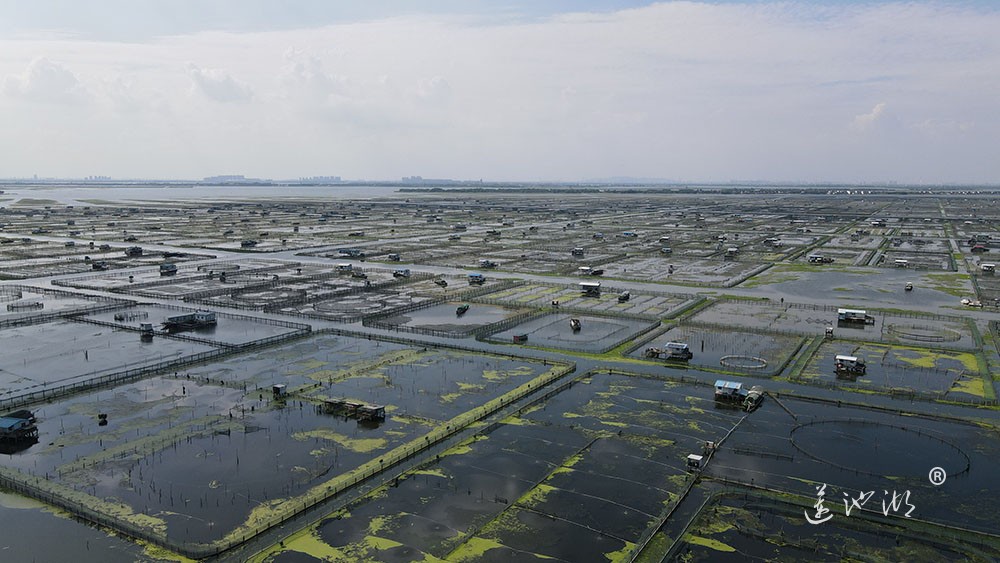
(278, 390)
(678, 350)
(854, 316)
(590, 288)
(370, 412)
(694, 461)
(731, 391)
(850, 364)
(14, 429)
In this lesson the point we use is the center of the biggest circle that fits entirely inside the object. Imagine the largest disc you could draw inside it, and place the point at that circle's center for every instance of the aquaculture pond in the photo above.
(937, 372)
(803, 282)
(777, 317)
(542, 296)
(578, 476)
(751, 352)
(738, 526)
(63, 351)
(854, 450)
(200, 453)
(596, 334)
(229, 329)
(450, 318)
(681, 269)
(30, 526)
(18, 302)
(913, 329)
(353, 306)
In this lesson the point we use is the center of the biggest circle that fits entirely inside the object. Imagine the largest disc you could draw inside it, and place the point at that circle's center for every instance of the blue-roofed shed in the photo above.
(14, 429)
(8, 424)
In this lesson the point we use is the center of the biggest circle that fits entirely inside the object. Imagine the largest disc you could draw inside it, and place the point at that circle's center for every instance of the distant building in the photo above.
(422, 180)
(226, 179)
(234, 179)
(321, 180)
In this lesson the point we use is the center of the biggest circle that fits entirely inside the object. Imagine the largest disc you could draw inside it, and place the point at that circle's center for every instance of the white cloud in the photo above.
(678, 89)
(45, 81)
(218, 85)
(866, 120)
(434, 90)
(303, 75)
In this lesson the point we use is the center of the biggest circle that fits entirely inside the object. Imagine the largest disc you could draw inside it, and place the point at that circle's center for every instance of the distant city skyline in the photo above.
(849, 91)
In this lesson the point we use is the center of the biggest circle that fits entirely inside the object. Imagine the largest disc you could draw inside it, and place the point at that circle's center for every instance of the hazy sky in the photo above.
(517, 90)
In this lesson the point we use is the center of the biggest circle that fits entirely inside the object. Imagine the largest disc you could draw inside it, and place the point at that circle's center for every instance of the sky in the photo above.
(712, 91)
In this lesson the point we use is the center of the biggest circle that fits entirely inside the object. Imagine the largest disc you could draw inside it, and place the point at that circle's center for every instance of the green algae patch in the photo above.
(437, 472)
(359, 445)
(471, 386)
(473, 549)
(450, 397)
(157, 553)
(649, 444)
(379, 524)
(709, 543)
(307, 542)
(465, 447)
(516, 421)
(535, 495)
(620, 555)
(655, 549)
(615, 423)
(567, 466)
(11, 500)
(496, 376)
(971, 385)
(369, 367)
(678, 480)
(719, 521)
(381, 543)
(929, 358)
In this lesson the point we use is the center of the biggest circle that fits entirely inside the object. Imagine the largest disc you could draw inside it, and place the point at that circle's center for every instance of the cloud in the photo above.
(434, 90)
(866, 120)
(45, 81)
(218, 85)
(304, 75)
(686, 90)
